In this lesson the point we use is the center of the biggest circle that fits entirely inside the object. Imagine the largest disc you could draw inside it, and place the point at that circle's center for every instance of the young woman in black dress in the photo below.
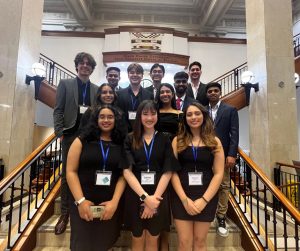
(194, 199)
(94, 176)
(151, 162)
(168, 116)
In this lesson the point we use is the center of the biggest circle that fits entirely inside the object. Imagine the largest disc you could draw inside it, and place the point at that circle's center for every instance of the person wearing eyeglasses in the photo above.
(73, 97)
(157, 72)
(196, 89)
(94, 174)
(181, 83)
(226, 125)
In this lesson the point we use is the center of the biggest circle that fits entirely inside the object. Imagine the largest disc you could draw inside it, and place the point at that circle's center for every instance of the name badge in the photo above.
(103, 178)
(195, 178)
(131, 115)
(82, 109)
(148, 178)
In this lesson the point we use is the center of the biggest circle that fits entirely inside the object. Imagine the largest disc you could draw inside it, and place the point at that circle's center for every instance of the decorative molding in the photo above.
(73, 34)
(147, 57)
(217, 40)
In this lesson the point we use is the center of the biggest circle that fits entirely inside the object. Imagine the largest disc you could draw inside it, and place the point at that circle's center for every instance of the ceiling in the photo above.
(219, 18)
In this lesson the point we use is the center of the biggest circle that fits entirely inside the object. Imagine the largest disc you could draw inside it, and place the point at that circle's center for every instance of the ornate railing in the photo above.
(231, 81)
(54, 71)
(269, 214)
(26, 188)
(287, 178)
(297, 45)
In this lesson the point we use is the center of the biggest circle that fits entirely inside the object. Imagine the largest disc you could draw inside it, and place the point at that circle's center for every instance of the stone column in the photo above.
(20, 26)
(273, 110)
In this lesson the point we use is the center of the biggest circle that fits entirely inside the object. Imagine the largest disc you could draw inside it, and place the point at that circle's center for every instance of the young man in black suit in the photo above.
(196, 89)
(157, 72)
(181, 84)
(130, 97)
(226, 123)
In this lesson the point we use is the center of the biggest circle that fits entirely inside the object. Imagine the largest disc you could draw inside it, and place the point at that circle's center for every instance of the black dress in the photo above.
(204, 164)
(168, 123)
(162, 160)
(96, 234)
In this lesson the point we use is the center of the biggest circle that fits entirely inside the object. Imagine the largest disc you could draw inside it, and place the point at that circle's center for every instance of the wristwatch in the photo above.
(78, 202)
(143, 197)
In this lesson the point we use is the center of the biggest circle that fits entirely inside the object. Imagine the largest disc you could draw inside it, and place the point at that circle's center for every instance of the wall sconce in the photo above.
(296, 75)
(38, 71)
(247, 77)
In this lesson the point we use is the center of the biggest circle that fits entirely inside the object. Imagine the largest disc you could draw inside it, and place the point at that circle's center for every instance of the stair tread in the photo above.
(49, 226)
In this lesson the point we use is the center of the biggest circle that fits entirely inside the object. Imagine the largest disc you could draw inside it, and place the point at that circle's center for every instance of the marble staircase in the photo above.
(48, 241)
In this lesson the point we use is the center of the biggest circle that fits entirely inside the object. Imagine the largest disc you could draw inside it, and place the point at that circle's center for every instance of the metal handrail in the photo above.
(27, 187)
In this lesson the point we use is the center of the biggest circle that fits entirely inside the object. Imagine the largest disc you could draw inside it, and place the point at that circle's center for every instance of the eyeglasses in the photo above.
(213, 91)
(108, 117)
(178, 81)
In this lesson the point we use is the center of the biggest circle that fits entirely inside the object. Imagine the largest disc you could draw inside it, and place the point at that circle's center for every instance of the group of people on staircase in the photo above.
(140, 159)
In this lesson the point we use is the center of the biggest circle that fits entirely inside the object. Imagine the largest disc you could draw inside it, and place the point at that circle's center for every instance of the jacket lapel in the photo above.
(219, 113)
(75, 91)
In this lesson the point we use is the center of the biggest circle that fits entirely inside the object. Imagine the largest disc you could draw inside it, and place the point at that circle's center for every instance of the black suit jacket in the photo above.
(201, 94)
(150, 89)
(187, 101)
(227, 128)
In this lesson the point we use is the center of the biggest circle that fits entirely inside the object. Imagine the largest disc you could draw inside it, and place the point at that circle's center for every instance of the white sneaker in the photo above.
(222, 230)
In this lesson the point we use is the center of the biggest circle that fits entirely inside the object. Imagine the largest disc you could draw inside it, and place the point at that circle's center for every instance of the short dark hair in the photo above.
(81, 55)
(112, 69)
(181, 74)
(213, 84)
(195, 63)
(135, 66)
(158, 65)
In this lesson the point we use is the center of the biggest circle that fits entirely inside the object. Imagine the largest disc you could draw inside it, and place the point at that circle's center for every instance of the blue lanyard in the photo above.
(133, 103)
(195, 154)
(84, 94)
(148, 154)
(104, 154)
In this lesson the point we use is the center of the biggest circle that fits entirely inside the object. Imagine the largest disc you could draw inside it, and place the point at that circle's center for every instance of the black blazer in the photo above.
(227, 128)
(201, 94)
(150, 89)
(187, 101)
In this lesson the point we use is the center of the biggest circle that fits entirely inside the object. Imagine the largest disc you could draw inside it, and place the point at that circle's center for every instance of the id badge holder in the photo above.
(195, 178)
(148, 178)
(82, 109)
(131, 115)
(103, 178)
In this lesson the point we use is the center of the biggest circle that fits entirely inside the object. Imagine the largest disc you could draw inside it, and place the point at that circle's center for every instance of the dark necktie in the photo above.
(178, 103)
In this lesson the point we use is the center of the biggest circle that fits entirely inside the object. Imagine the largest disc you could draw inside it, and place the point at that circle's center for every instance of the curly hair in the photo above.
(79, 58)
(92, 131)
(207, 132)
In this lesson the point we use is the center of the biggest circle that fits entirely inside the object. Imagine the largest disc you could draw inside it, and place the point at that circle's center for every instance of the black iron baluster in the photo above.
(297, 235)
(266, 216)
(21, 202)
(10, 214)
(285, 235)
(275, 224)
(257, 203)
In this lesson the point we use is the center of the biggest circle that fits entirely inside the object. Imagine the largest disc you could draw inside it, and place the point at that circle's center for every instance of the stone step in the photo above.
(47, 238)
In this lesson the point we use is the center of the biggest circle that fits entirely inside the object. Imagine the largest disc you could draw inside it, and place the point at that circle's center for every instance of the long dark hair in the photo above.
(92, 131)
(207, 132)
(99, 91)
(157, 97)
(138, 128)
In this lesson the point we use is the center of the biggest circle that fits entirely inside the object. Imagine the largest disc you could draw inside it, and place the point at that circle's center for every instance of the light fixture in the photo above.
(296, 75)
(38, 71)
(247, 78)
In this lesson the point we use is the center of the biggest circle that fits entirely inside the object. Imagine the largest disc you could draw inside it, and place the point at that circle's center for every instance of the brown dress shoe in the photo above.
(61, 224)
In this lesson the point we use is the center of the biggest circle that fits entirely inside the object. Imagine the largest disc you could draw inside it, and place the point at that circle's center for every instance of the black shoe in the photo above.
(222, 230)
(62, 223)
